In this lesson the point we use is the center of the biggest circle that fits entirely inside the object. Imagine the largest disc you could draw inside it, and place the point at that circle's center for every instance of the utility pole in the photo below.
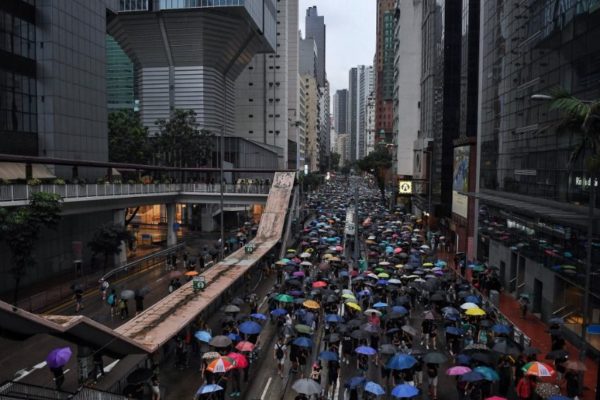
(356, 224)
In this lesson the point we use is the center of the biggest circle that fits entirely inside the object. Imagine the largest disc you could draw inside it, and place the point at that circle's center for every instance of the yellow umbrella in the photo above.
(354, 306)
(311, 304)
(476, 312)
(327, 256)
(383, 275)
(428, 264)
(348, 296)
(335, 259)
(370, 242)
(399, 266)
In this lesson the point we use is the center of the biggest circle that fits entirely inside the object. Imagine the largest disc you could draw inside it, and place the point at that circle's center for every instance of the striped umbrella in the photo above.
(538, 369)
(221, 365)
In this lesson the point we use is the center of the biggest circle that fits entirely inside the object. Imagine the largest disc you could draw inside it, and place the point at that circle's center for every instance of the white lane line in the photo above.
(264, 393)
(23, 373)
(110, 366)
(40, 365)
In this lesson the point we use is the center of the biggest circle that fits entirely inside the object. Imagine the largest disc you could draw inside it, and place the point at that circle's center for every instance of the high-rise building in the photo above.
(308, 57)
(340, 111)
(353, 97)
(342, 147)
(384, 70)
(120, 84)
(325, 118)
(440, 103)
(296, 140)
(407, 83)
(52, 78)
(262, 104)
(533, 205)
(366, 81)
(315, 29)
(313, 122)
(180, 66)
(370, 124)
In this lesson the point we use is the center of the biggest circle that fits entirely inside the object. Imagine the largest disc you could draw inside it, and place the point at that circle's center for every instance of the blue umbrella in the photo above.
(259, 316)
(501, 328)
(399, 310)
(382, 282)
(203, 336)
(328, 356)
(366, 350)
(488, 373)
(333, 318)
(472, 376)
(401, 361)
(451, 317)
(463, 359)
(355, 382)
(234, 337)
(204, 389)
(453, 330)
(374, 388)
(302, 342)
(472, 299)
(450, 310)
(278, 312)
(250, 328)
(405, 390)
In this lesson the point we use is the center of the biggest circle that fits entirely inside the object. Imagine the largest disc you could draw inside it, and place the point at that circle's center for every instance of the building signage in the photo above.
(405, 187)
(460, 181)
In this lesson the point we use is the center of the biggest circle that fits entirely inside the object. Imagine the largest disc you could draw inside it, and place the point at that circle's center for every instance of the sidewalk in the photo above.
(538, 331)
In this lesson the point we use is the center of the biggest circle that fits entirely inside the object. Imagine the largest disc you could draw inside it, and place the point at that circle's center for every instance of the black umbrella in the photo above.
(360, 334)
(557, 354)
(237, 301)
(220, 341)
(387, 349)
(506, 348)
(354, 323)
(486, 358)
(435, 358)
(140, 375)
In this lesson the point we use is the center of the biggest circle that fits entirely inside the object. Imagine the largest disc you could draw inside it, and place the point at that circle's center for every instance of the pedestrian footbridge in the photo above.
(149, 330)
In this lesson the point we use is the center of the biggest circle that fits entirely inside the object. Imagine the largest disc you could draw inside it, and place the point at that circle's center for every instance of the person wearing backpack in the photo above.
(279, 355)
(112, 302)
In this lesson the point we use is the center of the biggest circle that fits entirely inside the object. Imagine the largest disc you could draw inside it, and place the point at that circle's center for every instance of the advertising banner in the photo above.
(460, 181)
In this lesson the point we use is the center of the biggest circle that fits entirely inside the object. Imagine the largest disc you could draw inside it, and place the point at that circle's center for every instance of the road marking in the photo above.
(110, 366)
(264, 393)
(23, 373)
(40, 365)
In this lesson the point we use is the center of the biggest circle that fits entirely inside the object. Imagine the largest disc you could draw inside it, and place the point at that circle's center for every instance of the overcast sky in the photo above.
(350, 33)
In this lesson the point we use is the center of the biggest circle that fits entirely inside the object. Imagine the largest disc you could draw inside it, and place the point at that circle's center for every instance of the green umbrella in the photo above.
(303, 329)
(284, 298)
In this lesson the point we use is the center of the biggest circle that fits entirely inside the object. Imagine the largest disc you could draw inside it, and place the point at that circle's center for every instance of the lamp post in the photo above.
(221, 186)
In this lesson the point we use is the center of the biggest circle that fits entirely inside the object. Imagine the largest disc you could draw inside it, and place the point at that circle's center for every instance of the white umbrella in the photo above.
(467, 306)
(305, 255)
(371, 310)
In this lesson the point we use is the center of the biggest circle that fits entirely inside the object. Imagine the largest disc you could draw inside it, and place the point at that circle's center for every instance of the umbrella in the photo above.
(401, 361)
(380, 305)
(127, 294)
(240, 360)
(354, 306)
(472, 377)
(374, 388)
(175, 274)
(140, 375)
(250, 328)
(477, 312)
(205, 389)
(506, 348)
(360, 334)
(59, 357)
(210, 355)
(468, 306)
(435, 358)
(191, 273)
(453, 330)
(319, 284)
(486, 358)
(409, 329)
(501, 329)
(333, 318)
(328, 356)
(355, 382)
(302, 342)
(557, 354)
(366, 350)
(575, 365)
(301, 328)
(231, 308)
(278, 312)
(284, 298)
(538, 369)
(313, 305)
(371, 311)
(203, 336)
(368, 327)
(545, 390)
(405, 390)
(260, 316)
(220, 341)
(221, 365)
(387, 349)
(488, 373)
(308, 387)
(245, 346)
(457, 370)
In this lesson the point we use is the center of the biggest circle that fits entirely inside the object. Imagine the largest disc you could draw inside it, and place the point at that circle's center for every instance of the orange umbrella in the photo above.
(220, 365)
(191, 273)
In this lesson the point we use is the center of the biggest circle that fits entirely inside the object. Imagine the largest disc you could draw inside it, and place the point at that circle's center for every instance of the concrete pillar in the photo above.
(119, 219)
(171, 234)
(207, 220)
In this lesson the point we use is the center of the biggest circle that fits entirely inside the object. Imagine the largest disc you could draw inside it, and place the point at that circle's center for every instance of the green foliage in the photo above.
(377, 163)
(580, 118)
(310, 181)
(34, 182)
(335, 161)
(181, 143)
(20, 228)
(107, 241)
(127, 138)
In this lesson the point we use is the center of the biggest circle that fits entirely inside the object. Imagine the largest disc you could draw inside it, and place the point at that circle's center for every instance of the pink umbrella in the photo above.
(397, 250)
(240, 360)
(339, 248)
(457, 370)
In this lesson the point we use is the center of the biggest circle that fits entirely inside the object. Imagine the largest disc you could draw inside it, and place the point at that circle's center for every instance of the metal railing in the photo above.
(59, 293)
(22, 192)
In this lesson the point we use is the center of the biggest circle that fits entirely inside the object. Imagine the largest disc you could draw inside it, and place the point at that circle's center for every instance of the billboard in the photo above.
(460, 181)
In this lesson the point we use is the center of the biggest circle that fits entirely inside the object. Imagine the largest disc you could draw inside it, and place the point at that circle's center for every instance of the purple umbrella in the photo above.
(298, 273)
(366, 350)
(59, 357)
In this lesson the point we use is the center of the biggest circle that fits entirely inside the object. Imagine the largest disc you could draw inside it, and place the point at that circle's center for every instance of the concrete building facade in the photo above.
(366, 83)
(384, 70)
(353, 98)
(313, 122)
(340, 111)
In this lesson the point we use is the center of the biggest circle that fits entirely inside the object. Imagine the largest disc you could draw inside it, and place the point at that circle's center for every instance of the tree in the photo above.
(377, 163)
(180, 142)
(127, 138)
(335, 161)
(20, 228)
(107, 241)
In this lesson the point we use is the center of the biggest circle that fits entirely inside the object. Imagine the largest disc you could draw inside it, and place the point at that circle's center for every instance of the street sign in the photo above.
(405, 187)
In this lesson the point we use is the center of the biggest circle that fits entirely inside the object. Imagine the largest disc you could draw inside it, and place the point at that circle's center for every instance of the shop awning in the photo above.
(11, 171)
(532, 206)
(231, 209)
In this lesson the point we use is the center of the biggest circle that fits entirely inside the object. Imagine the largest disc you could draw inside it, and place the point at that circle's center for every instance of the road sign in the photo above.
(405, 187)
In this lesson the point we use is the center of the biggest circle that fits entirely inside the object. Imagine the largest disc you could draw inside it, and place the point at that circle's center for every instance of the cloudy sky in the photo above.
(350, 35)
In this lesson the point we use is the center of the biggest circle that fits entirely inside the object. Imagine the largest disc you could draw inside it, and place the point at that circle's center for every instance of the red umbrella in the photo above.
(240, 360)
(319, 284)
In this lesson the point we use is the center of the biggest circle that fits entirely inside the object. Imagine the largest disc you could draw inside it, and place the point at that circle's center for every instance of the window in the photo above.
(250, 84)
(250, 100)
(250, 115)
(250, 132)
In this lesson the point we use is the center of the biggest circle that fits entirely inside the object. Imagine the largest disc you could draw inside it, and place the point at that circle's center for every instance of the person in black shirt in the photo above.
(432, 374)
